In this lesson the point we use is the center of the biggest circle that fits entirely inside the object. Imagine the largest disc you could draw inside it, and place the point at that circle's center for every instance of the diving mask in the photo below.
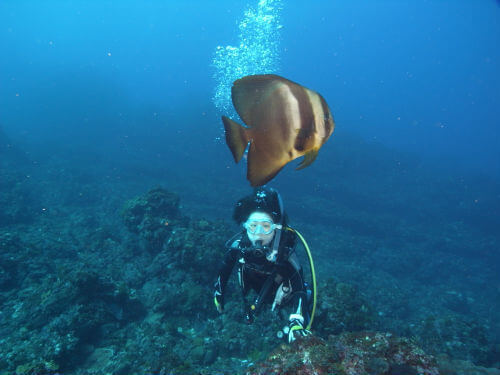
(260, 223)
(260, 226)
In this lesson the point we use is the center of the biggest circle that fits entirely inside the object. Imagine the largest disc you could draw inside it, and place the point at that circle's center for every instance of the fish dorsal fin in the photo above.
(250, 95)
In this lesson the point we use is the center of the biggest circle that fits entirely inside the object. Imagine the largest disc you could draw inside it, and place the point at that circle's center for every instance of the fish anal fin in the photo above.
(236, 138)
(309, 157)
(261, 168)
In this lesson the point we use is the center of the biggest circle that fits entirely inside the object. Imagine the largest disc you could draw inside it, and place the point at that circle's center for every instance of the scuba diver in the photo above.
(264, 252)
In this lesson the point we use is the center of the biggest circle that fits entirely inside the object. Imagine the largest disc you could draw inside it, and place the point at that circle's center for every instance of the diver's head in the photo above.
(263, 200)
(260, 213)
(260, 228)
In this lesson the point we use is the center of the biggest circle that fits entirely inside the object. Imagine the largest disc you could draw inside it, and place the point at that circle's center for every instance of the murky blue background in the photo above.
(417, 76)
(404, 197)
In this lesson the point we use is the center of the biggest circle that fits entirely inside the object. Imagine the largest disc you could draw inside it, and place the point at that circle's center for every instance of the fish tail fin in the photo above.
(309, 157)
(236, 138)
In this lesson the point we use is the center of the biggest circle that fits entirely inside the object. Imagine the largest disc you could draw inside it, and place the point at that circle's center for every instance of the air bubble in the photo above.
(257, 52)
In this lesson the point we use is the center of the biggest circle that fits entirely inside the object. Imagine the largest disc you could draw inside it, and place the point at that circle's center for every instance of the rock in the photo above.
(362, 353)
(448, 366)
(154, 216)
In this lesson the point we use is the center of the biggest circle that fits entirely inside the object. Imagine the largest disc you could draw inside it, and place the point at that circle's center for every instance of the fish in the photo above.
(283, 121)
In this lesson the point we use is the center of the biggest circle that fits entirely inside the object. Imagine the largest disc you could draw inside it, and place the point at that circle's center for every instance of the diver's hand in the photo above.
(296, 327)
(218, 301)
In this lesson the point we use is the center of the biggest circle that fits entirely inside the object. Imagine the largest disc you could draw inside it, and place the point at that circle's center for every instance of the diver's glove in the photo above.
(296, 327)
(218, 300)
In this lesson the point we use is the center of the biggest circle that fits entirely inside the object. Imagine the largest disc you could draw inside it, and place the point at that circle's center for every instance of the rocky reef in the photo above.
(360, 353)
(97, 278)
(17, 204)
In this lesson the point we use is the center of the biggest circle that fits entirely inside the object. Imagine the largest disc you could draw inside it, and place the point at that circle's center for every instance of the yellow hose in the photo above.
(313, 274)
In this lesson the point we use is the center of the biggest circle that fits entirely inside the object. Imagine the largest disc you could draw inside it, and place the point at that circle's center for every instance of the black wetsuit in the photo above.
(256, 272)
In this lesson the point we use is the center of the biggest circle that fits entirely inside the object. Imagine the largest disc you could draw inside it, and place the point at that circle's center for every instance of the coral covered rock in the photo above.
(449, 366)
(153, 216)
(365, 353)
(341, 308)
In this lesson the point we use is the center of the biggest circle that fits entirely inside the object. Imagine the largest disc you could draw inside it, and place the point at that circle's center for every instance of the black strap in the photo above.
(229, 242)
(264, 291)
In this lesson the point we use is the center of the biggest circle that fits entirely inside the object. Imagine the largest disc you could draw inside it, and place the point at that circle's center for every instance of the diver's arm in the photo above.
(299, 292)
(296, 321)
(224, 273)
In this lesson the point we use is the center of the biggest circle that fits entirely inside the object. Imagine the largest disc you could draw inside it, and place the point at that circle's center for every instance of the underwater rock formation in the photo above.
(362, 353)
(341, 308)
(457, 336)
(92, 292)
(17, 204)
(152, 216)
(448, 366)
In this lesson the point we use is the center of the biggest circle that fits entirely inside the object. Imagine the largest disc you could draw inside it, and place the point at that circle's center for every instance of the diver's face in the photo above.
(260, 227)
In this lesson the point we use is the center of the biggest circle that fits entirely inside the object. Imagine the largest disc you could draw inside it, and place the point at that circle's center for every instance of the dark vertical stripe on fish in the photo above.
(307, 128)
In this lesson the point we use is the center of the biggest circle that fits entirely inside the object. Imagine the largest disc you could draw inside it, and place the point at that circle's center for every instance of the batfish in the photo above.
(283, 121)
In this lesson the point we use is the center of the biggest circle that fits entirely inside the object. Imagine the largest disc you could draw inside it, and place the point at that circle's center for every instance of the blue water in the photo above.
(129, 89)
(417, 76)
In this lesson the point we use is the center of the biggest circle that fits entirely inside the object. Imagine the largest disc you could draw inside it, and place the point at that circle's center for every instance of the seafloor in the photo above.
(105, 273)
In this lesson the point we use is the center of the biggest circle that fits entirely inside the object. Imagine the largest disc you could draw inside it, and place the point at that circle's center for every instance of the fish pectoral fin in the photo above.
(309, 157)
(236, 138)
